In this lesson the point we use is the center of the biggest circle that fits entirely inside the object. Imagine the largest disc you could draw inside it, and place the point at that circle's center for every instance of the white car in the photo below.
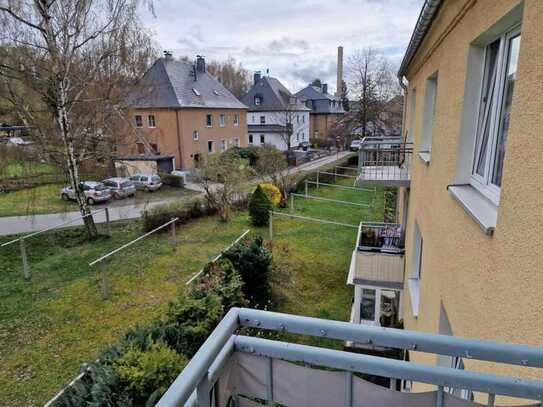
(95, 192)
(145, 182)
(355, 145)
(120, 187)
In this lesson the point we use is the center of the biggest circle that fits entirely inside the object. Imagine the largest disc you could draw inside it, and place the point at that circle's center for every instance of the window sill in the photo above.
(414, 293)
(425, 157)
(484, 212)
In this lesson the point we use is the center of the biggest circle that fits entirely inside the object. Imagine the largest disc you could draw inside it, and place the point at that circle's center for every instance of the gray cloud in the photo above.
(296, 40)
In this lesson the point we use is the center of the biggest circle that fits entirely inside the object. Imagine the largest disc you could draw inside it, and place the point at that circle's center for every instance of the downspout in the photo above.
(178, 138)
(404, 107)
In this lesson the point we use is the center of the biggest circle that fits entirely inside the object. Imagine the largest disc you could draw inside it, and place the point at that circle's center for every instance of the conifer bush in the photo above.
(259, 207)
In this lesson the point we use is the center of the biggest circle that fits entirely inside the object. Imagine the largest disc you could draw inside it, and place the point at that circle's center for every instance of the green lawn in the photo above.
(57, 320)
(15, 168)
(46, 199)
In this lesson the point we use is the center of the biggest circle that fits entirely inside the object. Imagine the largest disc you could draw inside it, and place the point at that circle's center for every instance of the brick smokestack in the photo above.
(339, 84)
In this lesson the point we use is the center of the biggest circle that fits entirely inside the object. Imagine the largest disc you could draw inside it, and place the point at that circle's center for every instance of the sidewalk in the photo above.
(26, 224)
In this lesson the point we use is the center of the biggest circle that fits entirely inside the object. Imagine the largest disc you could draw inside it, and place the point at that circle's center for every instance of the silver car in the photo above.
(120, 187)
(147, 183)
(95, 192)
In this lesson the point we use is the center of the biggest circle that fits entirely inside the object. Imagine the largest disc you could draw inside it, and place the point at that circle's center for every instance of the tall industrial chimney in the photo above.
(339, 84)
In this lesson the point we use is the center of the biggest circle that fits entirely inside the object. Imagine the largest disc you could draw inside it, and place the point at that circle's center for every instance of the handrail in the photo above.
(124, 246)
(194, 381)
(52, 227)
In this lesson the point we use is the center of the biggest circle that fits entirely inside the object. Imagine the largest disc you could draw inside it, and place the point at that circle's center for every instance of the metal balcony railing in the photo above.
(385, 161)
(381, 237)
(230, 367)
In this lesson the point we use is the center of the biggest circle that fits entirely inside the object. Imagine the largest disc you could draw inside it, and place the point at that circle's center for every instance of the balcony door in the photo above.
(380, 306)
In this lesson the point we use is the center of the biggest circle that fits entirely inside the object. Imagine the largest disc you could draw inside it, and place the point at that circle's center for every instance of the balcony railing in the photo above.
(385, 161)
(233, 369)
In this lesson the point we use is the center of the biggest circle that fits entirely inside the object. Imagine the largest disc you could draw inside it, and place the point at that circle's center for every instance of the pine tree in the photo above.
(259, 207)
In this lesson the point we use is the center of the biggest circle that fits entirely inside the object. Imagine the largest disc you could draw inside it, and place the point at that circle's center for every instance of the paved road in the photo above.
(25, 224)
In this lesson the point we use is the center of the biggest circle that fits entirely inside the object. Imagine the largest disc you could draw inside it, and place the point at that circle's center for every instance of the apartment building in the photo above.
(181, 111)
(469, 194)
(274, 113)
(326, 110)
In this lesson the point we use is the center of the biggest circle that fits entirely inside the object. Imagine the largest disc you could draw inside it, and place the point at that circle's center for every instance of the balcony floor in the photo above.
(390, 176)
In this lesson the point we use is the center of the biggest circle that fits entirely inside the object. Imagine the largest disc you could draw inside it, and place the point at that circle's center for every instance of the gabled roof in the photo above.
(273, 95)
(320, 102)
(172, 84)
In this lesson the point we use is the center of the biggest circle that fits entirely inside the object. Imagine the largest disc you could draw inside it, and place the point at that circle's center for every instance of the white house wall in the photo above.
(300, 124)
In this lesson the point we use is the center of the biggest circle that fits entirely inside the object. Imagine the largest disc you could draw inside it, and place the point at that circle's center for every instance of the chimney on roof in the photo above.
(200, 64)
(325, 88)
(339, 85)
(168, 55)
(256, 77)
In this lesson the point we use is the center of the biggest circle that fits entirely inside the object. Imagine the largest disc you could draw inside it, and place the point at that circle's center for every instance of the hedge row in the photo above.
(138, 370)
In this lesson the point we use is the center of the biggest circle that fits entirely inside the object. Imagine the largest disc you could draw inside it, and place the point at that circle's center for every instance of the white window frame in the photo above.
(251, 139)
(430, 102)
(195, 135)
(262, 121)
(416, 270)
(484, 184)
(211, 120)
(236, 120)
(262, 139)
(153, 125)
(212, 150)
(377, 304)
(222, 120)
(258, 100)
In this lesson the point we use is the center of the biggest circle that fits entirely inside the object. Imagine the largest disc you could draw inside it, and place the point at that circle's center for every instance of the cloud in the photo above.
(296, 41)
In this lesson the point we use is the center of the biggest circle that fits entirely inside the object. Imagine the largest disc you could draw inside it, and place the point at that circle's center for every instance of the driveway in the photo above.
(26, 224)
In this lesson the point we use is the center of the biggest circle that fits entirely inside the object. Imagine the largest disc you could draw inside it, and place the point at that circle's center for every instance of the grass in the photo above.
(53, 323)
(46, 199)
(16, 168)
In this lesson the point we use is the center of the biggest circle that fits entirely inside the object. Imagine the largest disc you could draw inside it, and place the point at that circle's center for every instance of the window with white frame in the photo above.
(262, 139)
(416, 270)
(209, 120)
(151, 121)
(210, 146)
(250, 139)
(500, 72)
(428, 117)
(258, 100)
(138, 120)
(236, 120)
(195, 135)
(262, 119)
(222, 120)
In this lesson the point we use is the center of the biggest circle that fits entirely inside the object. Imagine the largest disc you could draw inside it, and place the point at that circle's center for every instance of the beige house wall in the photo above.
(173, 134)
(490, 286)
(322, 123)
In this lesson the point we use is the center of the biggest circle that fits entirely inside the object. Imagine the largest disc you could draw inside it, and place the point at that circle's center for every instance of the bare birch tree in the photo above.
(78, 57)
(372, 85)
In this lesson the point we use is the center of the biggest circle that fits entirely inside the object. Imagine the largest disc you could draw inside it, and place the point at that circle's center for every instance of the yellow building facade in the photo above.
(473, 213)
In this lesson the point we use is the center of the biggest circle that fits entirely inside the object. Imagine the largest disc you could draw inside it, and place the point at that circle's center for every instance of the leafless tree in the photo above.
(372, 85)
(232, 75)
(75, 60)
(291, 118)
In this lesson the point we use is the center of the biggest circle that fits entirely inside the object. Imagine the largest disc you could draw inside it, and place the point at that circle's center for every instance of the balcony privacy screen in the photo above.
(246, 376)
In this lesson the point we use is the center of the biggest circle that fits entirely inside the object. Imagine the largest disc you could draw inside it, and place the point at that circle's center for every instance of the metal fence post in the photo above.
(26, 268)
(269, 389)
(439, 398)
(103, 272)
(108, 227)
(318, 172)
(291, 202)
(271, 225)
(305, 187)
(202, 392)
(348, 389)
(174, 242)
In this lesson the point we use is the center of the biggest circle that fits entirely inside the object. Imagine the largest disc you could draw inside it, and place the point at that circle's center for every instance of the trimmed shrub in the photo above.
(185, 211)
(148, 374)
(253, 261)
(272, 192)
(173, 180)
(259, 207)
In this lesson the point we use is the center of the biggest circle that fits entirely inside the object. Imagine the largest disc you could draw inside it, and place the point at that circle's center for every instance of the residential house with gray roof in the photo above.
(275, 115)
(181, 111)
(326, 110)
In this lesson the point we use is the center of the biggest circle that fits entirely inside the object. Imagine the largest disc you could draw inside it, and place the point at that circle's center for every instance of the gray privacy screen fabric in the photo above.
(301, 386)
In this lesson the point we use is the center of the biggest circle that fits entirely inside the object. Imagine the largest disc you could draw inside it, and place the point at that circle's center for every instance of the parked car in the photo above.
(147, 183)
(304, 145)
(355, 145)
(120, 187)
(95, 192)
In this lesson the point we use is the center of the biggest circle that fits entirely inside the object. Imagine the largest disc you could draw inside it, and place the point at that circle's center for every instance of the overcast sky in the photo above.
(295, 39)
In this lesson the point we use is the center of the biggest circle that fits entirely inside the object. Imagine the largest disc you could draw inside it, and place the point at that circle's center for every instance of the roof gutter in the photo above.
(426, 17)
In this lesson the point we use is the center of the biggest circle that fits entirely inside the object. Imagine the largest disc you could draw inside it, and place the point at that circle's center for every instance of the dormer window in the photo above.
(258, 100)
(196, 92)
(216, 93)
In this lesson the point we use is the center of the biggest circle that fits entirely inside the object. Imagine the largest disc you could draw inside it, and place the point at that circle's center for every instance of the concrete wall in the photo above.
(174, 132)
(490, 286)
